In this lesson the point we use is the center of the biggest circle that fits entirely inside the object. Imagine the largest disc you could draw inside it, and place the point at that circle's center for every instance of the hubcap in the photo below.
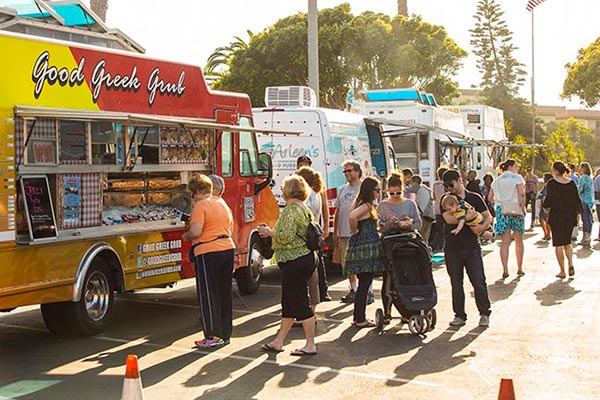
(255, 263)
(97, 296)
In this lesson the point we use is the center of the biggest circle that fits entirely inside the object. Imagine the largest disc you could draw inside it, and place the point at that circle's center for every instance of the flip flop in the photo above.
(561, 276)
(571, 271)
(365, 324)
(300, 352)
(270, 349)
(520, 273)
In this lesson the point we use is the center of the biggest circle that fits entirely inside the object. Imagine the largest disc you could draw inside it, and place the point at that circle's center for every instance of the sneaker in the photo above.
(484, 320)
(349, 298)
(212, 343)
(370, 298)
(457, 321)
(327, 297)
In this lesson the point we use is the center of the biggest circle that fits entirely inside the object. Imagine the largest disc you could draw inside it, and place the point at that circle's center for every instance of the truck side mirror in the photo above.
(265, 168)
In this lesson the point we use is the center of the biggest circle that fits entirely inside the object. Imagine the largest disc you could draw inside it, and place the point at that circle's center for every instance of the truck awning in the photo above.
(32, 112)
(406, 128)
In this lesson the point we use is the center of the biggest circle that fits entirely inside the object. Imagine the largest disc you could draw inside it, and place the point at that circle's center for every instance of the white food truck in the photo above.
(424, 136)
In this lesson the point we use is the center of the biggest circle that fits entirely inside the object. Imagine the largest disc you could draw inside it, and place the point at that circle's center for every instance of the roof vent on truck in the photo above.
(298, 96)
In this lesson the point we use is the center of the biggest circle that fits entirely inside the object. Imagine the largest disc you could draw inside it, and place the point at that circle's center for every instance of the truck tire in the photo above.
(54, 318)
(90, 315)
(248, 277)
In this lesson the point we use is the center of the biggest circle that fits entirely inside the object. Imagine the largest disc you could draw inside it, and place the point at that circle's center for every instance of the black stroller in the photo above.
(408, 283)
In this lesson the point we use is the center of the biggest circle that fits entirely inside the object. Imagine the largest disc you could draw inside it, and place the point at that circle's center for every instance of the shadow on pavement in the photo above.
(501, 289)
(555, 293)
(438, 355)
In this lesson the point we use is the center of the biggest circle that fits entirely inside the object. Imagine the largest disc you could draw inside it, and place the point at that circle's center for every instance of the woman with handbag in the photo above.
(508, 192)
(563, 204)
(364, 255)
(297, 263)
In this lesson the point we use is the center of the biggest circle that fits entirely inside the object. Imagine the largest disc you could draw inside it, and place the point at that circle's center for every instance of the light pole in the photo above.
(313, 47)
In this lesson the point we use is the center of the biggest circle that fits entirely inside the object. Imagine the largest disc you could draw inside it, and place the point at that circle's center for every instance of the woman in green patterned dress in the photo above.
(297, 263)
(364, 253)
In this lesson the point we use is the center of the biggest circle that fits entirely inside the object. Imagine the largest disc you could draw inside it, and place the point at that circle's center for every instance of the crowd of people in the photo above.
(456, 215)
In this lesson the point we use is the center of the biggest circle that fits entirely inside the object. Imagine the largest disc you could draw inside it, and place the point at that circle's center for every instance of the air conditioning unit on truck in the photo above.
(96, 145)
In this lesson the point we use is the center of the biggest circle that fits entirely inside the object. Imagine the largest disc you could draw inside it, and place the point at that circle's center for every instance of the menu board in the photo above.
(38, 207)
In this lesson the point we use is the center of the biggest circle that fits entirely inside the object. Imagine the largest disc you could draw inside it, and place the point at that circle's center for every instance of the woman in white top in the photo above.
(508, 193)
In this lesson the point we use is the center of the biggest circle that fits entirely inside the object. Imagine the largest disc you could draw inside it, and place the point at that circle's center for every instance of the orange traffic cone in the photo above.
(507, 391)
(132, 386)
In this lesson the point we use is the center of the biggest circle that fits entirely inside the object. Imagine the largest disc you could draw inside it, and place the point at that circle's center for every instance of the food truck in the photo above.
(424, 136)
(96, 146)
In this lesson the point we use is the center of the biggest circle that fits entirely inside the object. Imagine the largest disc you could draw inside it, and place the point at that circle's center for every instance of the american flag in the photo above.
(531, 4)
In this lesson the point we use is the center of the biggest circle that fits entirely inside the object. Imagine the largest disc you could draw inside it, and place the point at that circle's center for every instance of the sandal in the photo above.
(365, 324)
(561, 276)
(520, 273)
(571, 270)
(505, 275)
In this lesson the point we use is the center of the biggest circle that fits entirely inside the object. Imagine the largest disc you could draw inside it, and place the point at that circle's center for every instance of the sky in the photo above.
(190, 30)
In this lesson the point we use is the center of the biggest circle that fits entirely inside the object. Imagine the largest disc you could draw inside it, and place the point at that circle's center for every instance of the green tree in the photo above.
(583, 79)
(221, 58)
(560, 146)
(502, 74)
(368, 51)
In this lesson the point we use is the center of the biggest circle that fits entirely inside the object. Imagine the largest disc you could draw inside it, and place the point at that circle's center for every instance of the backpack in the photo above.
(314, 235)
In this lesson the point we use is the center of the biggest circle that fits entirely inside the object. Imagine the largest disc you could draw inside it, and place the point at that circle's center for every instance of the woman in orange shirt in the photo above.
(211, 225)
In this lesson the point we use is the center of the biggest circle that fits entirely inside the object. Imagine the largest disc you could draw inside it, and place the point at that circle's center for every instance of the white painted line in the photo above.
(222, 355)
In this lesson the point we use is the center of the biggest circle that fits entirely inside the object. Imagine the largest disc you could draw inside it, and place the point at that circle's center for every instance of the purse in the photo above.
(511, 208)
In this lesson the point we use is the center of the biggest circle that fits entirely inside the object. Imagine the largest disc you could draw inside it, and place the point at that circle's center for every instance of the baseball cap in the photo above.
(305, 159)
(450, 175)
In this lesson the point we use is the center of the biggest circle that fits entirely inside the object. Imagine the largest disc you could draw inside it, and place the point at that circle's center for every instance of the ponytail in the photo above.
(504, 166)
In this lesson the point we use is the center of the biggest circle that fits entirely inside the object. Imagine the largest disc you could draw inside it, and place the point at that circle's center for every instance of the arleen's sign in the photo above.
(38, 207)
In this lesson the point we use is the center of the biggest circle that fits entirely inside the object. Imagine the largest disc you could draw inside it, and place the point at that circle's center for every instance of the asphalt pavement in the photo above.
(544, 334)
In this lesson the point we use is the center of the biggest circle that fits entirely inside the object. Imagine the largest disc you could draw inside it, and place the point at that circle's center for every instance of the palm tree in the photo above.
(403, 7)
(99, 7)
(220, 59)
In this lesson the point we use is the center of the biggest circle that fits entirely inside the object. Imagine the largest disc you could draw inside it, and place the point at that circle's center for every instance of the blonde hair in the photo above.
(312, 177)
(200, 183)
(295, 187)
(449, 200)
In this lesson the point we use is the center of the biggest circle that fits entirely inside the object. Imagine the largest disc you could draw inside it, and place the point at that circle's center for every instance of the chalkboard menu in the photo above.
(38, 207)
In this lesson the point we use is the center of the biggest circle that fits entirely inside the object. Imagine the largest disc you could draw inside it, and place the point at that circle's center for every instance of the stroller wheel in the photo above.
(417, 324)
(432, 317)
(379, 320)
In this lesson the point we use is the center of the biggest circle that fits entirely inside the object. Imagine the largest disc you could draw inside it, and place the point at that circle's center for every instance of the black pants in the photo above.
(323, 286)
(437, 242)
(457, 262)
(214, 272)
(360, 300)
(294, 287)
(530, 198)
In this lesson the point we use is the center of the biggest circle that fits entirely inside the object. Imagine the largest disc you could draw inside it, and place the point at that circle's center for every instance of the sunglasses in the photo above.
(377, 189)
(394, 193)
(449, 185)
(347, 171)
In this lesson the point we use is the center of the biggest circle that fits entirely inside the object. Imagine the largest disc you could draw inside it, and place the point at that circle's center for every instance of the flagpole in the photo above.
(533, 92)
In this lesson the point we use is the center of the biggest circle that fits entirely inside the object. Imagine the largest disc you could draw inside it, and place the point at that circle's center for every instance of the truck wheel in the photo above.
(54, 318)
(248, 277)
(90, 315)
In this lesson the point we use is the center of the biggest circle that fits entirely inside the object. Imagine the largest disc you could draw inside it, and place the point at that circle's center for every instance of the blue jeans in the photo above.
(456, 264)
(586, 218)
(530, 197)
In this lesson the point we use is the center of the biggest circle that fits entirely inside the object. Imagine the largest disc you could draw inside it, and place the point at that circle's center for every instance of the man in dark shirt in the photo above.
(462, 252)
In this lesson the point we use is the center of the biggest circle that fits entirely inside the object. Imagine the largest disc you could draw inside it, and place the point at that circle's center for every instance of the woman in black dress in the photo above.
(563, 204)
